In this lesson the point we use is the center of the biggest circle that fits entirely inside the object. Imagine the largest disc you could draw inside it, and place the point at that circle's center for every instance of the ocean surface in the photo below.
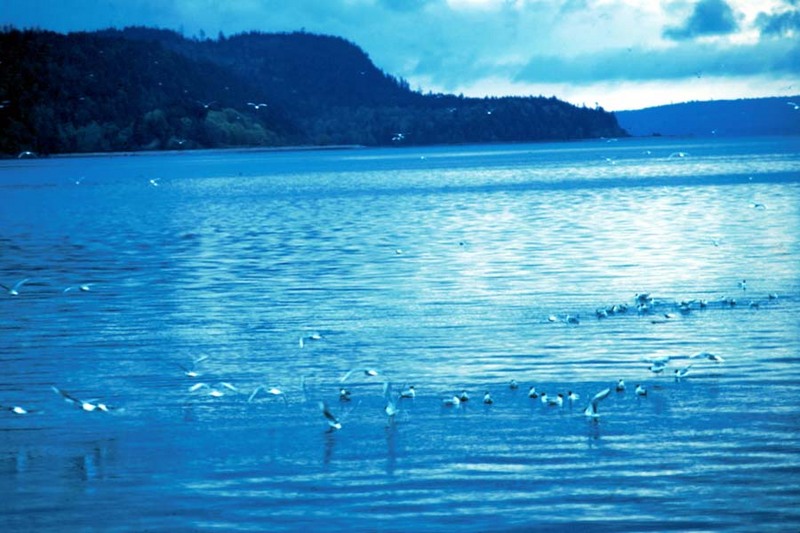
(164, 289)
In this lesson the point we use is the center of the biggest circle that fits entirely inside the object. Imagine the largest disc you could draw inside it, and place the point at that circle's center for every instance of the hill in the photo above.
(747, 117)
(144, 88)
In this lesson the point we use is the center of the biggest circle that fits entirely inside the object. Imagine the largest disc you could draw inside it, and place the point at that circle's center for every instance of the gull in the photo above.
(214, 391)
(487, 398)
(192, 373)
(572, 319)
(620, 385)
(256, 106)
(464, 397)
(312, 337)
(14, 289)
(682, 372)
(84, 405)
(571, 396)
(391, 406)
(558, 401)
(591, 409)
(657, 368)
(681, 155)
(715, 242)
(85, 287)
(455, 401)
(756, 205)
(344, 395)
(710, 356)
(410, 392)
(333, 422)
(17, 410)
(368, 372)
(640, 390)
(743, 284)
(513, 385)
(207, 105)
(274, 391)
(532, 393)
(643, 298)
(552, 318)
(773, 296)
(793, 105)
(543, 398)
(153, 182)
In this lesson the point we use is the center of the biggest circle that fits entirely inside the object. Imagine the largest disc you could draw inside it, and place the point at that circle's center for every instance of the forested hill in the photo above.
(721, 118)
(142, 88)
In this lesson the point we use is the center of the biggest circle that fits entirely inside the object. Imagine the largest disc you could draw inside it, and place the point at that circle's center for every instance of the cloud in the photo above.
(783, 23)
(710, 17)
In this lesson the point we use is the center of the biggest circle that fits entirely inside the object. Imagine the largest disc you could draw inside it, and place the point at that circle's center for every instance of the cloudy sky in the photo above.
(620, 54)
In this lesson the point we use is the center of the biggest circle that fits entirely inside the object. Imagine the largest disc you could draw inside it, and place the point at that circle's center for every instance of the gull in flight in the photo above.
(312, 337)
(84, 405)
(682, 372)
(710, 356)
(256, 106)
(273, 391)
(368, 372)
(333, 422)
(794, 106)
(591, 409)
(14, 289)
(191, 372)
(17, 410)
(214, 391)
(85, 287)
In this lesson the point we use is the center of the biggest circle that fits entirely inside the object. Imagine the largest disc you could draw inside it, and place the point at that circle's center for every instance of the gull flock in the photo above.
(393, 401)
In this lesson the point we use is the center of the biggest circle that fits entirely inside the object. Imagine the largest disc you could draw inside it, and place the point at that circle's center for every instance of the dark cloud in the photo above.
(780, 24)
(710, 17)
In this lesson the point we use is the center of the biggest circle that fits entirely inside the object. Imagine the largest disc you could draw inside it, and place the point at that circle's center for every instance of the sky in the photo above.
(618, 54)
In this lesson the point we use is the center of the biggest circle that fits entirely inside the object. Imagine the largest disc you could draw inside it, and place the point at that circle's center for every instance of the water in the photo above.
(441, 267)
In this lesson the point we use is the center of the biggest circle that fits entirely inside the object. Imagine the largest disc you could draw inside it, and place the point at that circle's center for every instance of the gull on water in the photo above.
(14, 289)
(464, 397)
(333, 422)
(558, 401)
(454, 401)
(16, 409)
(344, 395)
(640, 390)
(513, 385)
(743, 284)
(572, 397)
(409, 393)
(487, 398)
(620, 385)
(591, 409)
(532, 393)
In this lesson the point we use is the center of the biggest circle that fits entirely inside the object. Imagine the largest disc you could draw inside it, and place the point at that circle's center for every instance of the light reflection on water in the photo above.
(440, 267)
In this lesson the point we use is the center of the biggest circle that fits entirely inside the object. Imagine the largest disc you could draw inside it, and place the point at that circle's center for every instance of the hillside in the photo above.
(143, 88)
(748, 117)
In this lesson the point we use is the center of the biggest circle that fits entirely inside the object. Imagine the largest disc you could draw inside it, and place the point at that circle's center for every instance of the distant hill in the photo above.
(749, 117)
(144, 88)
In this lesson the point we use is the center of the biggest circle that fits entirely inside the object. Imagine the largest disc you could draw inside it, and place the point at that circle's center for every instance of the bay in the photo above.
(449, 268)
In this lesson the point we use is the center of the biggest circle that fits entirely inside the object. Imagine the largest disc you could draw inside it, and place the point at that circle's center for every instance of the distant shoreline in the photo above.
(135, 153)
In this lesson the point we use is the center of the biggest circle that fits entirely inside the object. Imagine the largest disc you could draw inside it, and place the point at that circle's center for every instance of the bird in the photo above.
(16, 409)
(532, 393)
(679, 155)
(409, 393)
(368, 372)
(657, 367)
(455, 401)
(558, 401)
(191, 372)
(620, 385)
(793, 105)
(543, 398)
(757, 205)
(710, 356)
(572, 397)
(640, 390)
(274, 391)
(333, 422)
(14, 289)
(84, 287)
(773, 296)
(84, 405)
(464, 397)
(311, 337)
(513, 385)
(682, 372)
(591, 409)
(256, 106)
(487, 398)
(344, 395)
(743, 284)
(153, 182)
(207, 105)
(214, 391)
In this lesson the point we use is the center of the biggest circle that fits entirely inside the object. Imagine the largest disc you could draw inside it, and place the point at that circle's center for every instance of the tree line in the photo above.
(151, 89)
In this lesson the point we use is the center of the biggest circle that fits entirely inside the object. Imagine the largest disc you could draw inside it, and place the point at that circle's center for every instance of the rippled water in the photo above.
(440, 267)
